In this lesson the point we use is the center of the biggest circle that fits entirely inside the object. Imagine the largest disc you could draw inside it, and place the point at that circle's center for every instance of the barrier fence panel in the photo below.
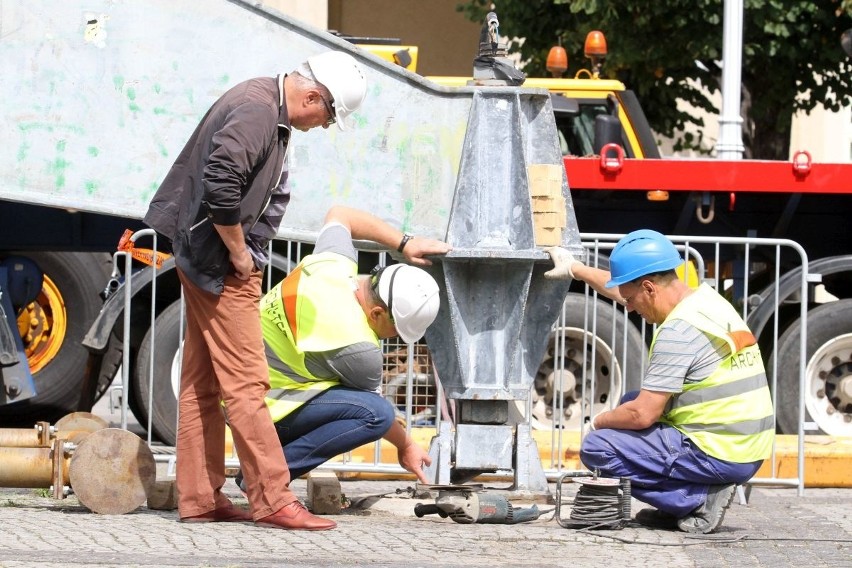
(596, 352)
(609, 335)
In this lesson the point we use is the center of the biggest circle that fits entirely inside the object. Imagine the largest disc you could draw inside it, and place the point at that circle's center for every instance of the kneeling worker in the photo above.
(703, 420)
(321, 329)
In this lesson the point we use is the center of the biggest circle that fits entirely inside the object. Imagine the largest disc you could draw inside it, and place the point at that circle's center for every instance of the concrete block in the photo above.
(163, 495)
(324, 494)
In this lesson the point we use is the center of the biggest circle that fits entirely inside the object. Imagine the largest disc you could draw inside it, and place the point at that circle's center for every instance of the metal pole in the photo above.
(730, 144)
(30, 467)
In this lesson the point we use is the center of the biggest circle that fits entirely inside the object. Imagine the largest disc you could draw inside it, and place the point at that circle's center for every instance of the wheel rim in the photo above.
(42, 325)
(557, 391)
(175, 372)
(828, 392)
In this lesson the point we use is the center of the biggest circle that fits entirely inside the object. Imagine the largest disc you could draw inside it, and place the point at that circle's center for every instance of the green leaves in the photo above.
(670, 50)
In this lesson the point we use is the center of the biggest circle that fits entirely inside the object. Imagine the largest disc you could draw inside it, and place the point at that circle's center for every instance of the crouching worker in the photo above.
(321, 330)
(703, 419)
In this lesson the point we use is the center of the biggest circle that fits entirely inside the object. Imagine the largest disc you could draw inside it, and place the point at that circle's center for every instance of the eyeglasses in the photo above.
(630, 298)
(375, 276)
(329, 107)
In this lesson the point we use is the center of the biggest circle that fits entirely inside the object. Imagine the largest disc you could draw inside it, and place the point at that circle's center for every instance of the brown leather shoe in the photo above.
(228, 513)
(295, 517)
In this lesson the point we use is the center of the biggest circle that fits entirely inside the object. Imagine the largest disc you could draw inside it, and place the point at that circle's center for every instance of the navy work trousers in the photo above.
(666, 469)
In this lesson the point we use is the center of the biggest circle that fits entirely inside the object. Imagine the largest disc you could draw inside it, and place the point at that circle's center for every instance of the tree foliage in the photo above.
(671, 50)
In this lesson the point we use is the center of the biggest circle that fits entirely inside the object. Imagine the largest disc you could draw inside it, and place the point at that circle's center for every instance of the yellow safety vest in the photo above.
(313, 309)
(729, 414)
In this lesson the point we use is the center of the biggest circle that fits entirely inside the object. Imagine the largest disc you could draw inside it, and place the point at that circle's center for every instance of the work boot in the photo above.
(656, 519)
(708, 517)
(296, 518)
(228, 513)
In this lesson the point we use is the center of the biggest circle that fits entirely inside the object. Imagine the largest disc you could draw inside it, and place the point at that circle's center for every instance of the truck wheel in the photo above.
(166, 376)
(828, 372)
(612, 373)
(53, 328)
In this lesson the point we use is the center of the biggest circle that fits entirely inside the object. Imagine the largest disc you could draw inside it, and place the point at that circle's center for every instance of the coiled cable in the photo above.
(599, 503)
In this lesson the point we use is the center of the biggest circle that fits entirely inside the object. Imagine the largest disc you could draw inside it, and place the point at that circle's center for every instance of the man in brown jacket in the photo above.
(220, 204)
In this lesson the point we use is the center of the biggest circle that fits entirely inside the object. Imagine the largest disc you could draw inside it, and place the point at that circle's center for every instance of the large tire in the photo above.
(620, 359)
(166, 376)
(59, 319)
(828, 372)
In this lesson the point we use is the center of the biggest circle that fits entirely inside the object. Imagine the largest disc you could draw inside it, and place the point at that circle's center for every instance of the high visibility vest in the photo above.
(313, 309)
(729, 414)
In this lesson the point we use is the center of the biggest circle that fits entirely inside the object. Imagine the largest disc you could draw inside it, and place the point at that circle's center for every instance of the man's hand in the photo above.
(232, 236)
(366, 226)
(590, 425)
(243, 264)
(412, 457)
(418, 247)
(563, 263)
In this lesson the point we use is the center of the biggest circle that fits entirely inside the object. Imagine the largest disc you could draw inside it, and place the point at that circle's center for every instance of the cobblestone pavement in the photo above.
(776, 529)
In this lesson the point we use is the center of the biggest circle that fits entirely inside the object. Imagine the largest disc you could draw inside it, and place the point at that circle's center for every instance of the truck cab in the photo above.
(590, 111)
(579, 104)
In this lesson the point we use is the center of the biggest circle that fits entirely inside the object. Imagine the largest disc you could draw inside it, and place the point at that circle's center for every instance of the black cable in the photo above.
(596, 505)
(712, 539)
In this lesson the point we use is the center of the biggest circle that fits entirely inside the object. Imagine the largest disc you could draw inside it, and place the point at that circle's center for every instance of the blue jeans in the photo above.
(337, 420)
(666, 469)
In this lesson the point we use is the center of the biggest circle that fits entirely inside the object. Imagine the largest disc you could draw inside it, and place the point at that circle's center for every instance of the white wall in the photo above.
(826, 135)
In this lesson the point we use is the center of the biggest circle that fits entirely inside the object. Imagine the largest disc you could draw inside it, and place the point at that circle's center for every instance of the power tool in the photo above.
(467, 506)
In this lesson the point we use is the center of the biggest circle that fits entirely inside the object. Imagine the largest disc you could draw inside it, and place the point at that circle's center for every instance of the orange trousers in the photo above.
(223, 360)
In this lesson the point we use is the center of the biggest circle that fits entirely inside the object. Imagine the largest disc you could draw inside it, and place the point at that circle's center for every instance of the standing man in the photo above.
(703, 420)
(220, 204)
(321, 327)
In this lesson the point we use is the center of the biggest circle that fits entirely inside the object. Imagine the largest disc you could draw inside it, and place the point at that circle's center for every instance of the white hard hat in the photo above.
(344, 79)
(411, 295)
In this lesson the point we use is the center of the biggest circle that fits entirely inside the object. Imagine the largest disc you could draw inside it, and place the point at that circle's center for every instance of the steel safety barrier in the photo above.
(596, 351)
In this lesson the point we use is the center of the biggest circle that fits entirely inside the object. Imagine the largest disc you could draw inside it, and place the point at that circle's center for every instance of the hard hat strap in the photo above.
(375, 278)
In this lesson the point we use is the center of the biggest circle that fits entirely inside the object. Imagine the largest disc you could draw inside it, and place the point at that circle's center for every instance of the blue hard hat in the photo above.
(639, 253)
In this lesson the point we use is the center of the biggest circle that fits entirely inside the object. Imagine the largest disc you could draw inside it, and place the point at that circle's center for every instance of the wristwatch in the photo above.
(405, 238)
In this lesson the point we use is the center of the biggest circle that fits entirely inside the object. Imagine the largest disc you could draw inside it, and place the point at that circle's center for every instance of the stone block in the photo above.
(163, 495)
(324, 494)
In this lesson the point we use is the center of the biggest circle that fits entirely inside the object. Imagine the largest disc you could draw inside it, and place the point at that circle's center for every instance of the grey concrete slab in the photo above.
(777, 528)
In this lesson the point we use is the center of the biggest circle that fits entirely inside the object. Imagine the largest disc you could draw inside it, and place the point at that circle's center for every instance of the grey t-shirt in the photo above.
(359, 365)
(682, 354)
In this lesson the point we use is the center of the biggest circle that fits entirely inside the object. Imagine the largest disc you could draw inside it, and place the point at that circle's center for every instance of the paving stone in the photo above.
(776, 529)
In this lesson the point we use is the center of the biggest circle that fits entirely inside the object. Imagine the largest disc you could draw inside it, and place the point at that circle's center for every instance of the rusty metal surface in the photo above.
(112, 471)
(70, 427)
(23, 438)
(81, 422)
(29, 467)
